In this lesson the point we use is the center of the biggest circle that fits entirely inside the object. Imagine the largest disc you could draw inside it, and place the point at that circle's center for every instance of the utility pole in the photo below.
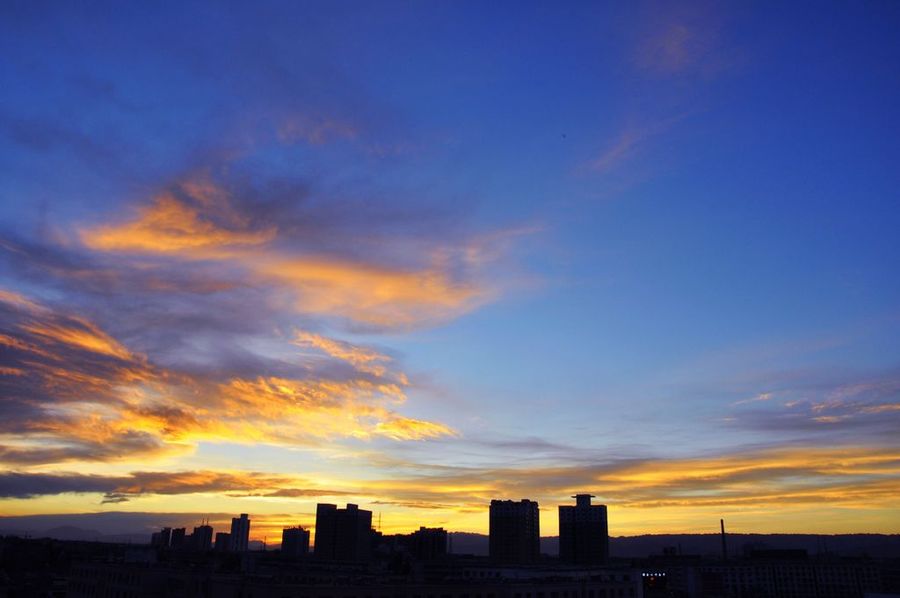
(724, 545)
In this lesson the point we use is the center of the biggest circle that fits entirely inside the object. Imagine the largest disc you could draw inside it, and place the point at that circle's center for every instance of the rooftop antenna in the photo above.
(379, 520)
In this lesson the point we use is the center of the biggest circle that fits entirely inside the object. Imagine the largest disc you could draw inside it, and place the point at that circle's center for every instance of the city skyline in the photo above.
(417, 257)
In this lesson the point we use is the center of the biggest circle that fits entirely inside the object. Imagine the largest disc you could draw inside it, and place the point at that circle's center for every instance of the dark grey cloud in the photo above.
(75, 446)
(29, 485)
(122, 488)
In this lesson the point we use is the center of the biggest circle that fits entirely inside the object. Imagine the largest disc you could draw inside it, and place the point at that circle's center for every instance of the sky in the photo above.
(421, 255)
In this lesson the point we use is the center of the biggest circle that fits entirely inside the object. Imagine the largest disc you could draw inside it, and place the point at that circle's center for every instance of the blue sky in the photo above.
(468, 252)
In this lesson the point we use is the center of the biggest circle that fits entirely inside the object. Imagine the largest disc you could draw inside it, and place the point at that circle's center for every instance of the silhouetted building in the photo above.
(223, 542)
(294, 541)
(240, 533)
(266, 575)
(514, 531)
(428, 543)
(785, 576)
(202, 537)
(178, 538)
(583, 532)
(161, 538)
(343, 534)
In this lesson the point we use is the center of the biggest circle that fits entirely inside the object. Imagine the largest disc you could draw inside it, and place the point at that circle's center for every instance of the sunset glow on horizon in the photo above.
(421, 256)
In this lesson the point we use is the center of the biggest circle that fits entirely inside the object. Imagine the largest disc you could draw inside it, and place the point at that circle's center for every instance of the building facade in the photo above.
(161, 538)
(223, 542)
(202, 538)
(240, 533)
(583, 532)
(343, 534)
(294, 541)
(515, 534)
(428, 543)
(178, 538)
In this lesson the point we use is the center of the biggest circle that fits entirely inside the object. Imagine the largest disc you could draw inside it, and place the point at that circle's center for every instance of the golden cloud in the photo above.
(374, 295)
(82, 334)
(198, 222)
(803, 480)
(172, 226)
(849, 476)
(363, 358)
(89, 397)
(403, 428)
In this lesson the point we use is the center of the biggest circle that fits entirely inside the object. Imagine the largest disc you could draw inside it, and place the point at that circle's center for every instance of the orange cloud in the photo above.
(172, 226)
(82, 407)
(198, 222)
(882, 408)
(290, 411)
(850, 476)
(809, 483)
(403, 428)
(363, 358)
(84, 335)
(375, 295)
(19, 301)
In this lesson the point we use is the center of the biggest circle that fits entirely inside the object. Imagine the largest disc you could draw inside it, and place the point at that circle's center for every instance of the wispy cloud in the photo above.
(763, 396)
(74, 393)
(848, 476)
(363, 358)
(672, 48)
(200, 223)
(170, 225)
(315, 131)
(630, 143)
(166, 483)
(682, 39)
(845, 406)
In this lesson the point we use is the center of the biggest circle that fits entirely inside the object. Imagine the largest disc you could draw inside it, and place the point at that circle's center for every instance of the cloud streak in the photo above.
(848, 476)
(200, 222)
(74, 393)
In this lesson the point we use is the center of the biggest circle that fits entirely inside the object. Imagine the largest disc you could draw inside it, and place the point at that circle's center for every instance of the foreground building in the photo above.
(240, 533)
(343, 534)
(201, 539)
(515, 535)
(428, 543)
(583, 532)
(161, 538)
(268, 576)
(294, 541)
(764, 574)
